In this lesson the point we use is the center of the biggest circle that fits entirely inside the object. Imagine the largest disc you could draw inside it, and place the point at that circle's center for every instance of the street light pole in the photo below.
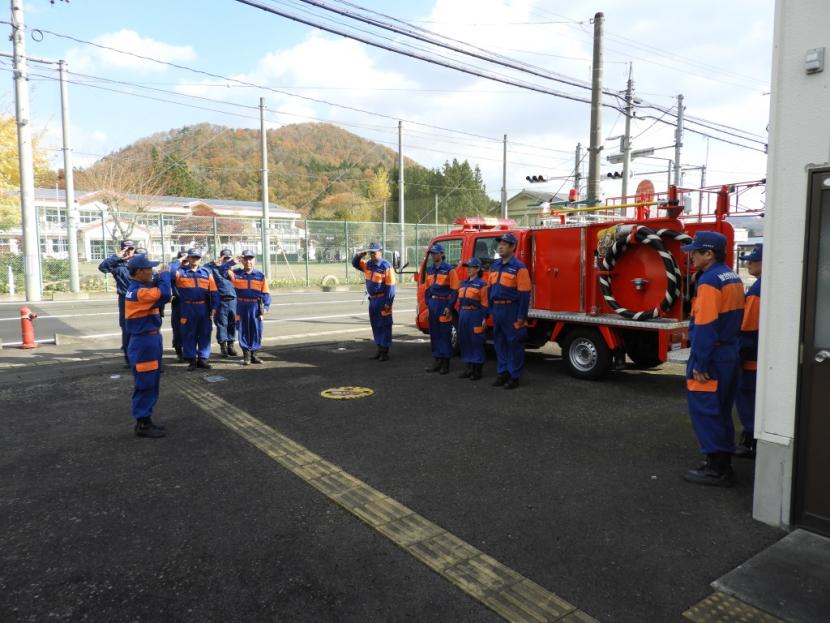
(626, 146)
(266, 231)
(678, 140)
(69, 186)
(596, 113)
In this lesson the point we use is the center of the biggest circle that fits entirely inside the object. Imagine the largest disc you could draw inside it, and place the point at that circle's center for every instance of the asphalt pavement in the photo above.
(573, 485)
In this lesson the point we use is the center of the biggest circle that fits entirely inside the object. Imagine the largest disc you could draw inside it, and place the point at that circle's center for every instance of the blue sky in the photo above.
(717, 54)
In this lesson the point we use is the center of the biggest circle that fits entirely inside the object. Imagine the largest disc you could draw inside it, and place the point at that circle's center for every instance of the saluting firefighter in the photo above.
(144, 297)
(199, 300)
(711, 374)
(225, 318)
(175, 307)
(380, 288)
(440, 295)
(748, 340)
(472, 319)
(253, 299)
(116, 265)
(509, 293)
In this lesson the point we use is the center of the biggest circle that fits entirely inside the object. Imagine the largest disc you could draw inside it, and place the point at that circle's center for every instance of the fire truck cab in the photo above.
(608, 283)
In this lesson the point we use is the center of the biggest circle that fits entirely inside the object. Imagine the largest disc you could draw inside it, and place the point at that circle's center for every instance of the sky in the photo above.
(717, 54)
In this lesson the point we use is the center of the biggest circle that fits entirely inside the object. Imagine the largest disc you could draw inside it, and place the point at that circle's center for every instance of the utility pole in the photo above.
(266, 227)
(69, 186)
(400, 193)
(25, 159)
(678, 140)
(578, 169)
(626, 145)
(504, 179)
(596, 113)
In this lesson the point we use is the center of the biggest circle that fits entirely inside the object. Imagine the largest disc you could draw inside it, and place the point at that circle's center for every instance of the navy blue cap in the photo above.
(140, 261)
(225, 253)
(706, 240)
(436, 248)
(375, 246)
(473, 262)
(140, 251)
(248, 253)
(126, 244)
(508, 238)
(180, 254)
(193, 252)
(756, 255)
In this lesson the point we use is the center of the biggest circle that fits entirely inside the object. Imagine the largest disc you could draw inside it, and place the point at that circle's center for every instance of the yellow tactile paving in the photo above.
(484, 578)
(722, 608)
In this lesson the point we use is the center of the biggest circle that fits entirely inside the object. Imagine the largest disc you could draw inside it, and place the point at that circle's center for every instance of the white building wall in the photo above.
(799, 138)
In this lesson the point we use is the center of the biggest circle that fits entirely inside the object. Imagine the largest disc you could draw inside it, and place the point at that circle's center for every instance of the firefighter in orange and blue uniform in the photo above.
(226, 316)
(712, 371)
(116, 265)
(472, 319)
(253, 299)
(745, 398)
(175, 307)
(199, 299)
(146, 294)
(509, 293)
(440, 295)
(380, 288)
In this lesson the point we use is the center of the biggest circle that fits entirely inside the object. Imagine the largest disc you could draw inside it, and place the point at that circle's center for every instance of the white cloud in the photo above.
(84, 59)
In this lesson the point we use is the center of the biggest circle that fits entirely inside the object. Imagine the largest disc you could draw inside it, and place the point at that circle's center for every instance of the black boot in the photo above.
(246, 356)
(254, 358)
(144, 428)
(468, 372)
(436, 365)
(445, 366)
(203, 363)
(476, 374)
(154, 425)
(232, 350)
(191, 366)
(715, 471)
(384, 354)
(377, 353)
(127, 362)
(746, 447)
(501, 379)
(179, 356)
(511, 383)
(224, 348)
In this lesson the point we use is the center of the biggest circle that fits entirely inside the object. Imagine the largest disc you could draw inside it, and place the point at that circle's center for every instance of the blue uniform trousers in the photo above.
(125, 337)
(176, 323)
(745, 400)
(381, 322)
(249, 326)
(710, 404)
(508, 340)
(440, 328)
(196, 330)
(471, 335)
(144, 353)
(225, 321)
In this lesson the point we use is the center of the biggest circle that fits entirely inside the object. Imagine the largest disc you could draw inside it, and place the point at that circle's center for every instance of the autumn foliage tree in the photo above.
(10, 172)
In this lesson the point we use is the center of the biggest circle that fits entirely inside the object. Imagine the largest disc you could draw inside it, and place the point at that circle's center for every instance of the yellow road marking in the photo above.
(482, 577)
(722, 608)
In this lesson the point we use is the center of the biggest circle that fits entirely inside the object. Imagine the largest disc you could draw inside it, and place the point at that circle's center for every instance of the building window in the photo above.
(97, 250)
(55, 215)
(88, 216)
(60, 245)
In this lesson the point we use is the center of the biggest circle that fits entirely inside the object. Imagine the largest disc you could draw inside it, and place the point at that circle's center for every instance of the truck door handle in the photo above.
(822, 356)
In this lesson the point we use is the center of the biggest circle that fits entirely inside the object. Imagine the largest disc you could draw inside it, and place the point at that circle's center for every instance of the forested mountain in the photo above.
(317, 169)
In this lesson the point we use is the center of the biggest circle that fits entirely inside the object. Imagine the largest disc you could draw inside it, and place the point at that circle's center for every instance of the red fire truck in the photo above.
(607, 282)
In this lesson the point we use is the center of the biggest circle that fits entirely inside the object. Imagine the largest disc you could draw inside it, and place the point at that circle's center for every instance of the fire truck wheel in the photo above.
(586, 355)
(456, 342)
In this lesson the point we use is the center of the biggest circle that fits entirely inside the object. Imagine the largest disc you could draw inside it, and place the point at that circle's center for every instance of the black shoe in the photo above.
(445, 366)
(203, 363)
(254, 358)
(511, 384)
(501, 379)
(144, 428)
(179, 356)
(746, 447)
(476, 373)
(436, 365)
(154, 425)
(191, 366)
(232, 350)
(224, 348)
(384, 355)
(715, 471)
(468, 372)
(127, 365)
(377, 354)
(246, 356)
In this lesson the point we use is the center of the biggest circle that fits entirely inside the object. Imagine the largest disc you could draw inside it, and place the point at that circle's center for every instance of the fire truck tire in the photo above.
(641, 347)
(586, 354)
(455, 341)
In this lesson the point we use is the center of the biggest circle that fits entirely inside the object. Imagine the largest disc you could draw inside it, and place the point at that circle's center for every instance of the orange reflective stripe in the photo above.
(148, 294)
(750, 365)
(201, 282)
(211, 283)
(362, 264)
(524, 280)
(389, 278)
(139, 309)
(376, 277)
(454, 279)
(732, 297)
(483, 296)
(508, 279)
(752, 314)
(255, 284)
(707, 304)
(478, 329)
(708, 387)
(146, 366)
(265, 289)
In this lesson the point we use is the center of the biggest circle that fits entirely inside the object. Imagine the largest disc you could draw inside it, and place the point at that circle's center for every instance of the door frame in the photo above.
(815, 188)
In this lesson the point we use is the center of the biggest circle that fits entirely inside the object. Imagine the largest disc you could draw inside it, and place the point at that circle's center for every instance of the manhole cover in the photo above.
(346, 393)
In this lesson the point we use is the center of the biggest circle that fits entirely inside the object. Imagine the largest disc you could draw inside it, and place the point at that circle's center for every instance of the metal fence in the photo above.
(302, 252)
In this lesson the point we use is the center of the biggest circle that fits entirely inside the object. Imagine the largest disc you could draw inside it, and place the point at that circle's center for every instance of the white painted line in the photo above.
(306, 318)
(44, 317)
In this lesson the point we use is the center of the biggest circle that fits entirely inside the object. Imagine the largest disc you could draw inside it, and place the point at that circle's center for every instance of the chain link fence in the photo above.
(302, 252)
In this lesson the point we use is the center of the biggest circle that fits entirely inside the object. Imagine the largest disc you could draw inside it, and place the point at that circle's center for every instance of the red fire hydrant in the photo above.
(27, 328)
